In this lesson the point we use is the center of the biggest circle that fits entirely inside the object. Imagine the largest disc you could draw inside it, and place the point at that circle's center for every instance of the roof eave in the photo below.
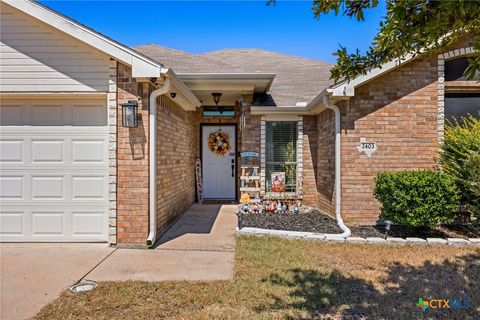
(183, 91)
(347, 88)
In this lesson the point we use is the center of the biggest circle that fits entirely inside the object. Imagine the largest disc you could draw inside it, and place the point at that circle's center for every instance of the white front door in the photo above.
(218, 167)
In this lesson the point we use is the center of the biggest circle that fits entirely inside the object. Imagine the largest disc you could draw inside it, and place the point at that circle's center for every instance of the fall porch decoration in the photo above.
(219, 142)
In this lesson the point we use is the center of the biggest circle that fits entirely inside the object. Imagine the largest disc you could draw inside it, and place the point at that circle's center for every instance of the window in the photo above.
(458, 105)
(455, 68)
(281, 156)
(213, 111)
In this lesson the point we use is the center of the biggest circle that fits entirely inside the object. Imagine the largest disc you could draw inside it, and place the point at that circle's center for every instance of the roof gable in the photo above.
(142, 66)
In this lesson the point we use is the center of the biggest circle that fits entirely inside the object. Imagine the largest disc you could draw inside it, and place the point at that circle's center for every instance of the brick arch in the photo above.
(449, 55)
(455, 53)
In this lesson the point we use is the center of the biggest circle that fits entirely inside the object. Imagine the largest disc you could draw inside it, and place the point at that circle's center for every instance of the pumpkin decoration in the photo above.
(245, 198)
(219, 143)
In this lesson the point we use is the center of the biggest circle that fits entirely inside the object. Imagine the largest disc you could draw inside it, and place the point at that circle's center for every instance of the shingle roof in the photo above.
(184, 62)
(297, 79)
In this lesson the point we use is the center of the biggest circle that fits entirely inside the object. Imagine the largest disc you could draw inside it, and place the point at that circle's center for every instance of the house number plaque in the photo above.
(368, 148)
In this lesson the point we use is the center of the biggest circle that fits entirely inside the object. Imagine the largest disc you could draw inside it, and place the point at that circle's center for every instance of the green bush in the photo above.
(472, 165)
(416, 198)
(459, 157)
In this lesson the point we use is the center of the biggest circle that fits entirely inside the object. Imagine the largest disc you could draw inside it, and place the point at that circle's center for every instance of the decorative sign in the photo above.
(198, 179)
(368, 148)
(219, 142)
(278, 181)
(249, 154)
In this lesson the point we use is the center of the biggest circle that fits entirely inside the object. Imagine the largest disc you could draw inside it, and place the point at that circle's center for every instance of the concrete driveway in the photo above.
(199, 246)
(32, 275)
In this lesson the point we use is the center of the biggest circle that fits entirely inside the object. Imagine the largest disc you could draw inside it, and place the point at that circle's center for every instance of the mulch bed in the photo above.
(313, 221)
(316, 221)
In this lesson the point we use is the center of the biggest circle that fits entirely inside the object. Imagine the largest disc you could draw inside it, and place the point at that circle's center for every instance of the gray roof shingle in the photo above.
(297, 79)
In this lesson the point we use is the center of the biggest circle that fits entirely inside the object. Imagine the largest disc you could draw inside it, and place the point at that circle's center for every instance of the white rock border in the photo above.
(370, 240)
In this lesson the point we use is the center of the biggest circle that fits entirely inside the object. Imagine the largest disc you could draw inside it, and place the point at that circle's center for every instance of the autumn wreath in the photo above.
(218, 142)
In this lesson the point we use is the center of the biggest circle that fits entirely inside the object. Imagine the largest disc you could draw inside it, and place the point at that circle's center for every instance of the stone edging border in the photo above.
(375, 240)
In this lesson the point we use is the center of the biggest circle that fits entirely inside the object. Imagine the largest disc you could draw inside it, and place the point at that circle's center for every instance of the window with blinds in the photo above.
(281, 156)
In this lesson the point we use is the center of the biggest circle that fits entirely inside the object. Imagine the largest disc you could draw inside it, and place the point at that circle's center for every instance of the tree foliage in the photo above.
(409, 27)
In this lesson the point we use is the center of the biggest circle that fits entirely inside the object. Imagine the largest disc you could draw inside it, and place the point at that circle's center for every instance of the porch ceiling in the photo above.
(231, 85)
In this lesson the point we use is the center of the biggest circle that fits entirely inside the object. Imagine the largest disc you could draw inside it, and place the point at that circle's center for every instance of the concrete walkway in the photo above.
(199, 246)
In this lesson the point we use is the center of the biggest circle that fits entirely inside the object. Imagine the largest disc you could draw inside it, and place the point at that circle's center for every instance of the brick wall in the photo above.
(250, 135)
(398, 111)
(177, 147)
(326, 162)
(132, 163)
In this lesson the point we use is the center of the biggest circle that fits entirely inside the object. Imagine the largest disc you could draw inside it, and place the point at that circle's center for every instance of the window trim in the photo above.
(298, 194)
(466, 51)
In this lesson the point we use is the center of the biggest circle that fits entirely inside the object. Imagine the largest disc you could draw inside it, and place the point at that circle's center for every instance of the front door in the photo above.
(218, 162)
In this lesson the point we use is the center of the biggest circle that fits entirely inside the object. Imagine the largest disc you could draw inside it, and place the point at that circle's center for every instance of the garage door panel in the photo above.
(88, 151)
(11, 222)
(82, 115)
(88, 187)
(54, 171)
(48, 150)
(11, 187)
(48, 187)
(88, 223)
(11, 115)
(47, 116)
(48, 223)
(11, 151)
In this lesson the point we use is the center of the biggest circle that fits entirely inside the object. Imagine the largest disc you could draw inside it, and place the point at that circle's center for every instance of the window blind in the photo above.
(281, 152)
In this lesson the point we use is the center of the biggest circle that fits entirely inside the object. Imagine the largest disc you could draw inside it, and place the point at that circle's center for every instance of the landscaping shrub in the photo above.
(416, 198)
(459, 157)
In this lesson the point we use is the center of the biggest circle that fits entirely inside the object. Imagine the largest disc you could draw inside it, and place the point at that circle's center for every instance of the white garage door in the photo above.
(54, 170)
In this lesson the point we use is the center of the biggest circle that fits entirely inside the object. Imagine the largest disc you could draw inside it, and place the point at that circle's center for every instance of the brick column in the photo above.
(299, 191)
(263, 138)
(132, 164)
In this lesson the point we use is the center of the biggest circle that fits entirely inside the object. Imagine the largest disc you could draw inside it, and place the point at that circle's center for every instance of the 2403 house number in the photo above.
(368, 148)
(368, 145)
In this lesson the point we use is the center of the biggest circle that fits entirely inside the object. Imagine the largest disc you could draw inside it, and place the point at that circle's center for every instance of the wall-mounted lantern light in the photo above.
(129, 114)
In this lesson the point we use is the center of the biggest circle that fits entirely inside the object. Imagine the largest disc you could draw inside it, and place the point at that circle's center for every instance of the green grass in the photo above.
(286, 279)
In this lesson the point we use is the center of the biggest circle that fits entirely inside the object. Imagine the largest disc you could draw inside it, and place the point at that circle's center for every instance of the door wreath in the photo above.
(219, 143)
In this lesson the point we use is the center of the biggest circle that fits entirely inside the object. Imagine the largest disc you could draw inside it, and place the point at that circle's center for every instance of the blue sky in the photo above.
(202, 26)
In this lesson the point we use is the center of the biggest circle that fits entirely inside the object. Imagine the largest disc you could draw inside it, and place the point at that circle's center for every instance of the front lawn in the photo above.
(278, 278)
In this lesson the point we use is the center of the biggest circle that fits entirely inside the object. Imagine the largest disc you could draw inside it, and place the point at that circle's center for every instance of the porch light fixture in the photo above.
(216, 98)
(129, 114)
